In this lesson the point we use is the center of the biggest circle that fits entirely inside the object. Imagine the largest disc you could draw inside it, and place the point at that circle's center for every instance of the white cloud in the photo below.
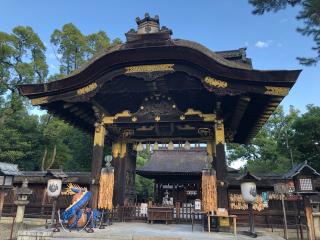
(262, 44)
(52, 66)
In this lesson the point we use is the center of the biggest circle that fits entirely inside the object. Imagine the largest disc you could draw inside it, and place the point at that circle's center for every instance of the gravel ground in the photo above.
(143, 231)
(5, 230)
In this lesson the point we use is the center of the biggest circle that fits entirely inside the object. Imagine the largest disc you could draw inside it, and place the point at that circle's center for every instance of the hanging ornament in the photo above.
(187, 145)
(139, 147)
(170, 145)
(156, 146)
(135, 146)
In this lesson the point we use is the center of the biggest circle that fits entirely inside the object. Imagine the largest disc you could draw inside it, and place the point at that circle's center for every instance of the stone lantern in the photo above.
(7, 173)
(249, 194)
(22, 200)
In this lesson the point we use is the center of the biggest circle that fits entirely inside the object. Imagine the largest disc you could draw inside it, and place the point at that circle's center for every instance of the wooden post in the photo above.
(309, 217)
(119, 152)
(129, 174)
(96, 165)
(220, 164)
(284, 217)
(2, 195)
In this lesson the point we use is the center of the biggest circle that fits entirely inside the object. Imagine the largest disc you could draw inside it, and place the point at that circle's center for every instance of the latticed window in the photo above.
(305, 184)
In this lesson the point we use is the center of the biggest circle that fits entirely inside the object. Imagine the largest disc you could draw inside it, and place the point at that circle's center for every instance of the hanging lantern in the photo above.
(139, 147)
(156, 146)
(170, 145)
(187, 145)
(54, 187)
(135, 146)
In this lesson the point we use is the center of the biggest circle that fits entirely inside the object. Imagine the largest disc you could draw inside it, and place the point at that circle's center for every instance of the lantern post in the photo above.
(54, 185)
(282, 189)
(249, 194)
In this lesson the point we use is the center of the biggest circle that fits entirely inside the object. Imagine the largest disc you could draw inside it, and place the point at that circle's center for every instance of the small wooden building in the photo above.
(177, 172)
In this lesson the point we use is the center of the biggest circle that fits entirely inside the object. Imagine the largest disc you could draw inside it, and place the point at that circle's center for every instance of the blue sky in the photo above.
(272, 40)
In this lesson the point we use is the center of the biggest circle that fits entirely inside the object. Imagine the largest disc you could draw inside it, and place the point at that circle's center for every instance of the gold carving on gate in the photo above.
(110, 119)
(86, 89)
(116, 146)
(39, 101)
(219, 132)
(215, 82)
(119, 149)
(277, 91)
(150, 68)
(125, 113)
(99, 135)
(191, 111)
(207, 117)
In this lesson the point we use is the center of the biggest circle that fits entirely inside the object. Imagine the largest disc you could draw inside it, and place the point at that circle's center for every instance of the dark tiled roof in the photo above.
(178, 161)
(58, 173)
(37, 177)
(238, 55)
(9, 169)
(298, 168)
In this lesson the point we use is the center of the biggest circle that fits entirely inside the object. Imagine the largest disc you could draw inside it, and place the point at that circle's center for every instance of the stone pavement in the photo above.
(139, 231)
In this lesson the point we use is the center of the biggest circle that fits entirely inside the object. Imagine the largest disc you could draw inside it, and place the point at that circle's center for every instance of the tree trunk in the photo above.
(44, 158)
(53, 157)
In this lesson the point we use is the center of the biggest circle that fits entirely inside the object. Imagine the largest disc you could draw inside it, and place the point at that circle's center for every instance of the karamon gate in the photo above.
(153, 88)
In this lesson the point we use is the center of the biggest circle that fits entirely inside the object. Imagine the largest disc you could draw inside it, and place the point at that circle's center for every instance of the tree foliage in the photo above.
(283, 141)
(309, 14)
(42, 142)
(22, 58)
(75, 48)
(144, 186)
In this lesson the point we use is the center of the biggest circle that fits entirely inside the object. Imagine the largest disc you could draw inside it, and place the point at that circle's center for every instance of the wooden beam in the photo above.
(239, 111)
(220, 164)
(96, 164)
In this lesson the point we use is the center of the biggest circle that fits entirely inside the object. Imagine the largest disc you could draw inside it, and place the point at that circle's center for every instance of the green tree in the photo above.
(20, 138)
(22, 58)
(64, 146)
(35, 142)
(307, 136)
(309, 14)
(75, 48)
(144, 186)
(272, 149)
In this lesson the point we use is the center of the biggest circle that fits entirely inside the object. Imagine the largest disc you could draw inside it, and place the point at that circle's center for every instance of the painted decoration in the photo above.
(54, 187)
(249, 192)
(197, 205)
(78, 215)
(265, 199)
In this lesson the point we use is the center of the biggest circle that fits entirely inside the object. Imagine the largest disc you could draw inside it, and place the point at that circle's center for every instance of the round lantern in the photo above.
(54, 187)
(249, 191)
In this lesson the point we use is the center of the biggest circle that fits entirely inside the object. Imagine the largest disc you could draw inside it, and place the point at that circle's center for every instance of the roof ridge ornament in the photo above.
(147, 25)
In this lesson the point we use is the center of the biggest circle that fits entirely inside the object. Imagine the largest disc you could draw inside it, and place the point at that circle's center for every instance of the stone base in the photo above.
(34, 235)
